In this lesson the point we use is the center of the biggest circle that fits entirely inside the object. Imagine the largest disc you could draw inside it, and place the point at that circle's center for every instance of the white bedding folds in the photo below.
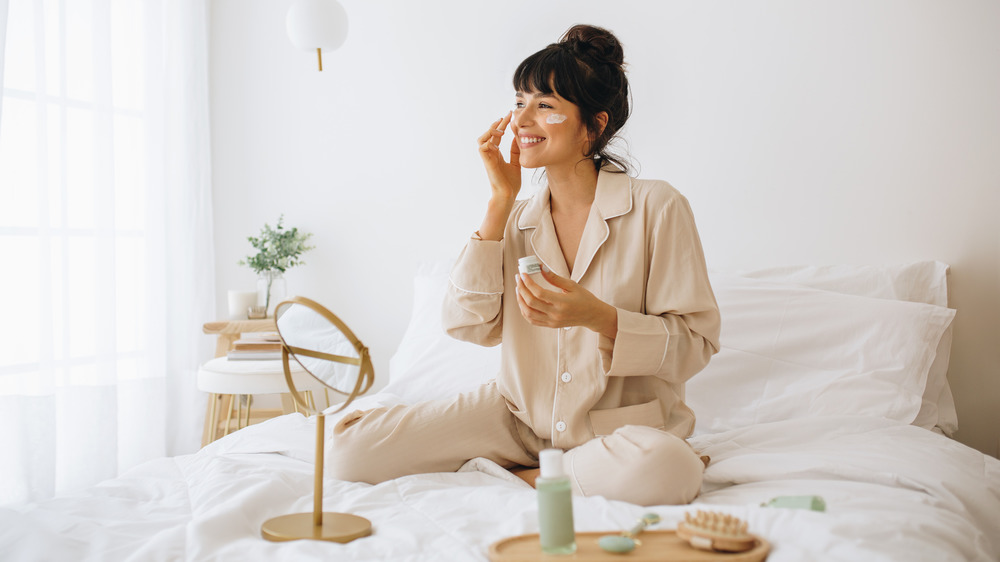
(893, 492)
(831, 382)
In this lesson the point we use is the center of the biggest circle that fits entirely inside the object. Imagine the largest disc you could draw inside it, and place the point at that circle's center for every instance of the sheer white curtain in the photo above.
(3, 43)
(105, 238)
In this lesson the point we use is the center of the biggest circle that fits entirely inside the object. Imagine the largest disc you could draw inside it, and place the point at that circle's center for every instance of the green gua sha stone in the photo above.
(814, 503)
(626, 541)
(616, 544)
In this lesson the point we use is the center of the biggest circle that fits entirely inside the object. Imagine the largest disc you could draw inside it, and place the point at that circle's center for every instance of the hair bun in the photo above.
(595, 43)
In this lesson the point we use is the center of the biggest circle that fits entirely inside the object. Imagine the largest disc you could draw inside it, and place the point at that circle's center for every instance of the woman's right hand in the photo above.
(504, 176)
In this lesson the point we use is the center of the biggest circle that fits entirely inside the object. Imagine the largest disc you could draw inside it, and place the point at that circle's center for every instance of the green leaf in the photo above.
(277, 248)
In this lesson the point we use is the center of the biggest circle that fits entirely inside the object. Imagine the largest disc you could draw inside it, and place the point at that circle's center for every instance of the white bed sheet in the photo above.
(893, 491)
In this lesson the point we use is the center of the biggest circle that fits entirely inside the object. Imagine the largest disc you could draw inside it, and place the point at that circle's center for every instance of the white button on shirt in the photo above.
(566, 377)
(561, 426)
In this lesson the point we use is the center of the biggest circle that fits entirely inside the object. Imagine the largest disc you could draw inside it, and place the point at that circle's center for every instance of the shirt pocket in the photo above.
(605, 422)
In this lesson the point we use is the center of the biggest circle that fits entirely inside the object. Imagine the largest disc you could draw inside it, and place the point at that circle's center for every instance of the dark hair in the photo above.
(585, 67)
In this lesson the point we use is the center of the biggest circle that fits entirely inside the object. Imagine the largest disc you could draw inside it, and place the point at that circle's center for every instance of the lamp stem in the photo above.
(319, 55)
(318, 482)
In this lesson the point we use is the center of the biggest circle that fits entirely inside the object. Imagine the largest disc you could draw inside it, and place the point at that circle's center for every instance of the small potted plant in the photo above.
(277, 250)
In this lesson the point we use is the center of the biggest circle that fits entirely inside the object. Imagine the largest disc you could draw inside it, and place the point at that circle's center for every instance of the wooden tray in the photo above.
(656, 545)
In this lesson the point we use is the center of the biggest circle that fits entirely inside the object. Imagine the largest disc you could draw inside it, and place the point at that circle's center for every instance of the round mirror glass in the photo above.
(323, 345)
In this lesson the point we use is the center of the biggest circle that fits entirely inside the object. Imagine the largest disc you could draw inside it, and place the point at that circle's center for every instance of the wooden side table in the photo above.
(227, 332)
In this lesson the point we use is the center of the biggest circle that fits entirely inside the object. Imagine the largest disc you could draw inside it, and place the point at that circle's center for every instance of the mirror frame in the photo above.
(366, 373)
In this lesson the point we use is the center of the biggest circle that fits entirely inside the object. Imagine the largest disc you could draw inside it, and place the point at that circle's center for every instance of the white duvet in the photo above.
(893, 492)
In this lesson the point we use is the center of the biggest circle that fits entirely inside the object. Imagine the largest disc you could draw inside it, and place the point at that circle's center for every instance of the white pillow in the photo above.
(921, 281)
(790, 351)
(429, 364)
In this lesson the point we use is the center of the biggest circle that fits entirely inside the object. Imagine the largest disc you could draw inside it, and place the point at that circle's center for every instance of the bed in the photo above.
(831, 382)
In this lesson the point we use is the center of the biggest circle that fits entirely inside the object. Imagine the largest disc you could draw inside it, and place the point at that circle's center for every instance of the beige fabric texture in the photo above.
(616, 406)
(641, 253)
(637, 464)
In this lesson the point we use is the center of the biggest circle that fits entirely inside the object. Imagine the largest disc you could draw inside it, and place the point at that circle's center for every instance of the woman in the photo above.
(596, 365)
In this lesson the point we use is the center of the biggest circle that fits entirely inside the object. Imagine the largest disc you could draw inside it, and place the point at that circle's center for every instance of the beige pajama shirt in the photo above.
(616, 405)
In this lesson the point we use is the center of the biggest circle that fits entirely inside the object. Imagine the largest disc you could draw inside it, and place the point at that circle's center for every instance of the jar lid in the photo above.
(529, 264)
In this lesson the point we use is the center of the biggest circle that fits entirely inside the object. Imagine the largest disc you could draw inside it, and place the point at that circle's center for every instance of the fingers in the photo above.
(537, 311)
(568, 304)
(564, 305)
(533, 316)
(533, 294)
(490, 140)
(515, 147)
(485, 141)
(503, 127)
(496, 130)
(560, 282)
(492, 132)
(526, 283)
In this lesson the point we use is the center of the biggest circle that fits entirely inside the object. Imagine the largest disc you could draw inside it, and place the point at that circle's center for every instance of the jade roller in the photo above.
(627, 541)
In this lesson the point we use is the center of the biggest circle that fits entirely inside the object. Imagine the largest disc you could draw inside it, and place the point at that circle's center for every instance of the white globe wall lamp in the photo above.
(315, 25)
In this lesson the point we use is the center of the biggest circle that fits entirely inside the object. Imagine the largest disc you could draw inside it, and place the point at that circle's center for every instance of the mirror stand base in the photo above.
(335, 527)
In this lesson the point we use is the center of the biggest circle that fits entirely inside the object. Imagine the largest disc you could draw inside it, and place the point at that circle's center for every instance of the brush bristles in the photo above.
(708, 530)
(716, 523)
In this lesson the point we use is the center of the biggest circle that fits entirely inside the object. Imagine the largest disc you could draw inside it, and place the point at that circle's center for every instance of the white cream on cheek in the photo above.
(554, 118)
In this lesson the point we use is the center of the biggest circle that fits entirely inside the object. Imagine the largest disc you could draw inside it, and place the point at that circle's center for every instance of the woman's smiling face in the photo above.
(548, 130)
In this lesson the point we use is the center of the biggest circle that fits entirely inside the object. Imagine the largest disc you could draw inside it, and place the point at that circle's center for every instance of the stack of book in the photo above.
(256, 346)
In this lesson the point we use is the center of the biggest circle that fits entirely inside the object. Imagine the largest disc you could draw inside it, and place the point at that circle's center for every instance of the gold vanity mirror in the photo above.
(326, 348)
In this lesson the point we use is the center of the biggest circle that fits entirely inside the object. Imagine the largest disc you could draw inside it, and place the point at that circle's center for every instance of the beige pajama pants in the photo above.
(637, 464)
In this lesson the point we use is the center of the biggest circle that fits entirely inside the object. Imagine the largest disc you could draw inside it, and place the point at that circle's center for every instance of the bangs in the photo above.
(548, 72)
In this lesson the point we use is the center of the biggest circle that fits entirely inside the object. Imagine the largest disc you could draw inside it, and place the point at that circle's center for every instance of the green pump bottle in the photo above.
(555, 505)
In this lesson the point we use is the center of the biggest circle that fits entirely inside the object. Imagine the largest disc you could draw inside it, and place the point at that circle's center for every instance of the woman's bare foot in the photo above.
(527, 474)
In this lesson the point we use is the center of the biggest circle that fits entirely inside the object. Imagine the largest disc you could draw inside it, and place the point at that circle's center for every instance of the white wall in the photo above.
(802, 132)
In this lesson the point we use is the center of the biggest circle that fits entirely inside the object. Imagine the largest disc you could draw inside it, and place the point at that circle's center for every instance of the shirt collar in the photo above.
(612, 199)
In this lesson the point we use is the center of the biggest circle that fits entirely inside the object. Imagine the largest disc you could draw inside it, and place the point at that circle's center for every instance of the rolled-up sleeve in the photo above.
(473, 301)
(678, 332)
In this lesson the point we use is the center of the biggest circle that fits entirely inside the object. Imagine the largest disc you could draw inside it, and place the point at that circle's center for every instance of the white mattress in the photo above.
(893, 492)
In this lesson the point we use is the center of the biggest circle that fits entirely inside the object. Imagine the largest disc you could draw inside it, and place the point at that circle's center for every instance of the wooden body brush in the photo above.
(715, 531)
